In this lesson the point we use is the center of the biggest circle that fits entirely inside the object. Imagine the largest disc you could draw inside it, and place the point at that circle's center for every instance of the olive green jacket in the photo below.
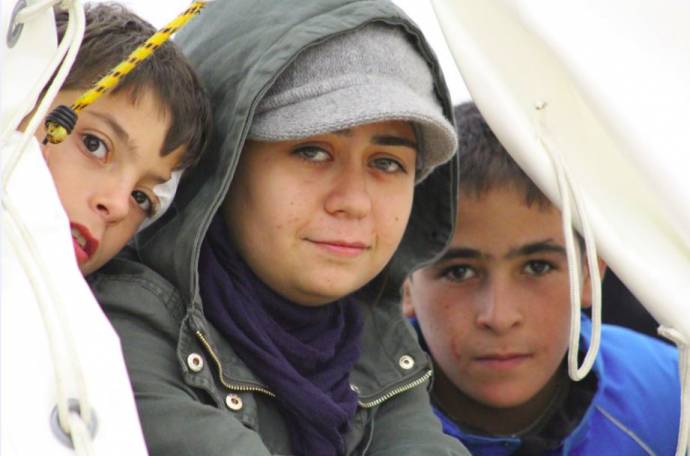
(194, 395)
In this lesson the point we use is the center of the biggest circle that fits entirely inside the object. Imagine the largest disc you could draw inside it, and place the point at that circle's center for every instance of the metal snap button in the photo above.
(406, 362)
(195, 362)
(234, 402)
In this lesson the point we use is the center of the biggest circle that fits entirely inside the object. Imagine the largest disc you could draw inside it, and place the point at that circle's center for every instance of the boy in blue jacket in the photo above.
(493, 312)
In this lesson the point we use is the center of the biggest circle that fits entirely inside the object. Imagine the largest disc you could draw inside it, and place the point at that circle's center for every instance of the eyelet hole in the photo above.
(62, 436)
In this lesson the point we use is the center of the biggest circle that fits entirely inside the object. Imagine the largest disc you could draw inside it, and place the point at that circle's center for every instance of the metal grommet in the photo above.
(234, 402)
(354, 388)
(14, 30)
(406, 362)
(62, 436)
(195, 362)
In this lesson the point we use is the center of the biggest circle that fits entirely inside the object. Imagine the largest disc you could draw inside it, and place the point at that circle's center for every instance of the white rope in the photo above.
(81, 438)
(66, 53)
(28, 12)
(569, 193)
(683, 368)
(54, 319)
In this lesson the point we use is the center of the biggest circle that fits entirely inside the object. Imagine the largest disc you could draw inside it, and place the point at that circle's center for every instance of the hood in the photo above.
(239, 48)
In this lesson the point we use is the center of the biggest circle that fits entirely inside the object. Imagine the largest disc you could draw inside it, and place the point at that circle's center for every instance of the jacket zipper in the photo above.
(231, 386)
(254, 388)
(400, 389)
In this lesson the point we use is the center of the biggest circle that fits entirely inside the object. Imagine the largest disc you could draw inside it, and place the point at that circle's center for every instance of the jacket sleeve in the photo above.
(406, 425)
(176, 421)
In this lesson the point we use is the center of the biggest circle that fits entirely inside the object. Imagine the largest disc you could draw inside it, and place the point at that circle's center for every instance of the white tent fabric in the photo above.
(61, 365)
(603, 86)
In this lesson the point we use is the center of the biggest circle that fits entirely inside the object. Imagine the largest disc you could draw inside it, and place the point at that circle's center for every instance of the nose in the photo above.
(498, 307)
(112, 200)
(349, 195)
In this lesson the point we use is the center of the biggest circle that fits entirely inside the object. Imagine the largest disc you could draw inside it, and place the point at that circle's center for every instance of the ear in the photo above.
(587, 284)
(407, 307)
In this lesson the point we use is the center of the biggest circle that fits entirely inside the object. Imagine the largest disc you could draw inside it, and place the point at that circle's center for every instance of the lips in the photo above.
(502, 361)
(85, 245)
(342, 248)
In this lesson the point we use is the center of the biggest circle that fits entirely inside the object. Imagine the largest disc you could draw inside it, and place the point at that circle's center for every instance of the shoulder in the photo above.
(127, 288)
(628, 352)
(639, 390)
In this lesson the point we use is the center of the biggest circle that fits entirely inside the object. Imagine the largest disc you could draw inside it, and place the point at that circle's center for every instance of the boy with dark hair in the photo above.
(64, 386)
(118, 170)
(494, 313)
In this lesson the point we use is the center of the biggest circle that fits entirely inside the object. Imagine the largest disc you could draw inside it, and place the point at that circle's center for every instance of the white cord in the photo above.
(570, 192)
(81, 438)
(68, 48)
(684, 370)
(30, 256)
(53, 317)
(28, 12)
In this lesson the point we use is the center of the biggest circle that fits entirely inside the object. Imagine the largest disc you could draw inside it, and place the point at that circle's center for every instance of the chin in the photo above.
(86, 269)
(316, 294)
(318, 297)
(90, 266)
(503, 398)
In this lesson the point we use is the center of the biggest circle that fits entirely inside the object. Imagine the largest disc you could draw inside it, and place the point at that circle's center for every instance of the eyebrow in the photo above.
(462, 252)
(159, 179)
(545, 246)
(343, 132)
(389, 140)
(119, 131)
(123, 136)
(382, 140)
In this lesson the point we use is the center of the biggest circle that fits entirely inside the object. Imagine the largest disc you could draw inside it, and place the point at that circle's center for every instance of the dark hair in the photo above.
(112, 33)
(484, 162)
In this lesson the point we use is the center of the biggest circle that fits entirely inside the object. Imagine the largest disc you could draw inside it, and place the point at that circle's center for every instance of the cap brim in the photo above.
(360, 104)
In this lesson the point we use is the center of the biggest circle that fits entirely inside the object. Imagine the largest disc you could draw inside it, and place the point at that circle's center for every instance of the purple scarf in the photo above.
(303, 354)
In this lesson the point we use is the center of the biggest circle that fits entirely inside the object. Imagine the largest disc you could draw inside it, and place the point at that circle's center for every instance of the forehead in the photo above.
(500, 219)
(139, 124)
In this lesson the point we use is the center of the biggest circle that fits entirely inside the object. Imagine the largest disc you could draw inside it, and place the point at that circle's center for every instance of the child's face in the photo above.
(105, 171)
(317, 218)
(494, 310)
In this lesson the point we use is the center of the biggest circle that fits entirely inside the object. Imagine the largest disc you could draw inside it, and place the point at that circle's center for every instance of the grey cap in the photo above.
(371, 74)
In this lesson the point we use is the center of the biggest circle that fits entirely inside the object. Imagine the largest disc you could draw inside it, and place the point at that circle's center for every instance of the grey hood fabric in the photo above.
(237, 77)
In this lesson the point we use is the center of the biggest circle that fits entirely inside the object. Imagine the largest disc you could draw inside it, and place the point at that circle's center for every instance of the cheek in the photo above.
(288, 211)
(261, 216)
(553, 325)
(392, 213)
(66, 163)
(442, 316)
(116, 237)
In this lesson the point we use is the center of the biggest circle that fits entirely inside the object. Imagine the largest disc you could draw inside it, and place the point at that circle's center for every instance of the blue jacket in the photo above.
(635, 410)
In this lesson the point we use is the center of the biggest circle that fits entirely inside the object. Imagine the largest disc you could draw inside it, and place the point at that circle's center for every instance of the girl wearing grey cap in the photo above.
(262, 316)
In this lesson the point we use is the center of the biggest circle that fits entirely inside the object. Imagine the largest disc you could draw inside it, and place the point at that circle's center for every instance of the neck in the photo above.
(479, 417)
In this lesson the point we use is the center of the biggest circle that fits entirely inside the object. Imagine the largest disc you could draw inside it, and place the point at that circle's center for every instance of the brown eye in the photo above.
(537, 268)
(143, 201)
(458, 273)
(312, 153)
(388, 165)
(95, 146)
